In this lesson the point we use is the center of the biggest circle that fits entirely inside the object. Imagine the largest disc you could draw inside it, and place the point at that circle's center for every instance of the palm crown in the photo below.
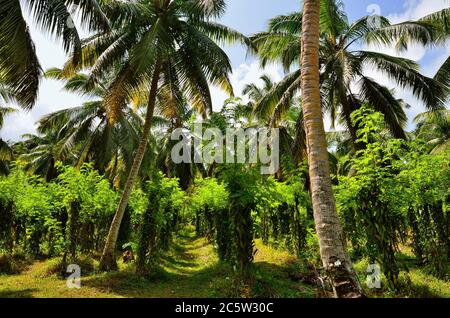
(344, 84)
(177, 35)
(85, 130)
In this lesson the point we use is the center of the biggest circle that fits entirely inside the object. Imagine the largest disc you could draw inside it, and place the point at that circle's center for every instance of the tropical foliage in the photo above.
(98, 179)
(343, 64)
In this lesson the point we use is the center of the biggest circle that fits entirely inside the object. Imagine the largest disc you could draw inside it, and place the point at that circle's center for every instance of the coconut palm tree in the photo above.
(434, 128)
(343, 64)
(86, 130)
(256, 93)
(173, 112)
(5, 97)
(42, 155)
(334, 256)
(19, 65)
(289, 122)
(440, 21)
(158, 44)
(6, 153)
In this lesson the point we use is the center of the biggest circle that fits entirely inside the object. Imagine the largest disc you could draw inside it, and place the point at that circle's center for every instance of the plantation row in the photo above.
(390, 194)
(71, 215)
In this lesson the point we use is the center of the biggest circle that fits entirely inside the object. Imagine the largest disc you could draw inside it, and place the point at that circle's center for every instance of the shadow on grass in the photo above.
(421, 291)
(179, 274)
(288, 280)
(183, 283)
(25, 293)
(13, 265)
(410, 261)
(190, 269)
(182, 266)
(266, 280)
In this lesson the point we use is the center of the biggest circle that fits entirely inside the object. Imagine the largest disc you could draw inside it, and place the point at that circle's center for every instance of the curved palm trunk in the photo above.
(108, 260)
(332, 246)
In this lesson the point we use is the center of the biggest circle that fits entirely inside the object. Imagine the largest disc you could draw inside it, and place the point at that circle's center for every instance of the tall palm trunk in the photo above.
(332, 246)
(108, 260)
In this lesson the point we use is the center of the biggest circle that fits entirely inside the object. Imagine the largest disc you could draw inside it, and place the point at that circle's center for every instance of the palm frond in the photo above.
(333, 19)
(405, 73)
(402, 34)
(276, 102)
(441, 20)
(381, 98)
(443, 74)
(54, 17)
(19, 66)
(5, 111)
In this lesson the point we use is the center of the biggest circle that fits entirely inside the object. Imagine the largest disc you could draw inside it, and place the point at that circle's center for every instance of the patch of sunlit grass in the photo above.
(189, 269)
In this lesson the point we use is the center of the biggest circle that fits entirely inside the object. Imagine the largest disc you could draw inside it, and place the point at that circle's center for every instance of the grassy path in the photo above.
(190, 269)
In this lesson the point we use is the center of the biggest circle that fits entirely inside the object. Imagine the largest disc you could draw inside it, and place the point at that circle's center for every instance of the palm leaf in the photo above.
(383, 101)
(19, 66)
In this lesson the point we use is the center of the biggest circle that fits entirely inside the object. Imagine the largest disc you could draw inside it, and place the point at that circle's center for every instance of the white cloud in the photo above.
(51, 96)
(242, 75)
(413, 10)
(416, 9)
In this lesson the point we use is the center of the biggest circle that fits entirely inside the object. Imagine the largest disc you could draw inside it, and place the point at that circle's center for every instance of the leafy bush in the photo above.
(70, 214)
(426, 180)
(209, 201)
(165, 200)
(394, 186)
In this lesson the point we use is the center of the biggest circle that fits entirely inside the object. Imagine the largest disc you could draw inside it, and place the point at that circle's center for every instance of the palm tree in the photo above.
(288, 118)
(440, 21)
(173, 112)
(42, 155)
(6, 153)
(256, 93)
(289, 122)
(434, 128)
(344, 84)
(158, 44)
(19, 65)
(87, 130)
(329, 231)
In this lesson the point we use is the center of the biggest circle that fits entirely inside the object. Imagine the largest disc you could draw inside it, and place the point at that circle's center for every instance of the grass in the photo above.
(415, 282)
(189, 269)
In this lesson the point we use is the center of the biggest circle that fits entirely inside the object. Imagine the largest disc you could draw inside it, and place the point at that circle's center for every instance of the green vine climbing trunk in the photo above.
(223, 235)
(243, 235)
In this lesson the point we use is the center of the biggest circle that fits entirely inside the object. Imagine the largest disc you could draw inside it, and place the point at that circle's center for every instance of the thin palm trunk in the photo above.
(108, 260)
(332, 245)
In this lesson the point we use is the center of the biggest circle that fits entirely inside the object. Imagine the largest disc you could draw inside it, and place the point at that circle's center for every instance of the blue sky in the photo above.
(250, 16)
(247, 16)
